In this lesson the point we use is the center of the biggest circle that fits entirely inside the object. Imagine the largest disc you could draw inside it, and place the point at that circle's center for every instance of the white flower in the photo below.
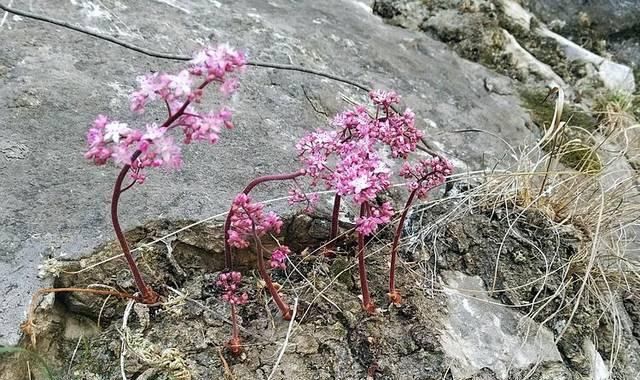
(200, 58)
(115, 130)
(181, 83)
(153, 132)
(360, 184)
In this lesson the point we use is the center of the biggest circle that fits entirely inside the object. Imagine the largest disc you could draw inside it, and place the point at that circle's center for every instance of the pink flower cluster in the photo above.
(387, 127)
(426, 174)
(114, 140)
(279, 257)
(348, 159)
(110, 139)
(229, 283)
(298, 196)
(375, 216)
(245, 217)
(212, 64)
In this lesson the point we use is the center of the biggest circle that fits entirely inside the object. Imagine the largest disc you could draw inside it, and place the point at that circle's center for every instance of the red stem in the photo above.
(228, 259)
(235, 335)
(284, 308)
(394, 247)
(364, 286)
(148, 295)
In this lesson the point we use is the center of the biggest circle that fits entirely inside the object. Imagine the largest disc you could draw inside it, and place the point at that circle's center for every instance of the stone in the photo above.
(306, 344)
(55, 203)
(614, 76)
(481, 333)
(605, 16)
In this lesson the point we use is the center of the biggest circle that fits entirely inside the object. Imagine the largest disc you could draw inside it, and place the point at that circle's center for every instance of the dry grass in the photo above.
(601, 206)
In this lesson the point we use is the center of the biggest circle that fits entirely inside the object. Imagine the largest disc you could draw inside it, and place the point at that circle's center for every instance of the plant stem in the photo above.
(284, 308)
(234, 323)
(364, 286)
(394, 296)
(148, 295)
(334, 225)
(234, 344)
(228, 259)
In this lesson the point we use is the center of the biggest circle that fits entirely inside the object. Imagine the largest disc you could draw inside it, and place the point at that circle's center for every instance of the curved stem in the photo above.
(148, 295)
(393, 294)
(284, 308)
(228, 258)
(364, 286)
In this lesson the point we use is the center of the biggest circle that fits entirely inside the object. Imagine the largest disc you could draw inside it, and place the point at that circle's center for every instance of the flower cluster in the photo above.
(279, 257)
(110, 139)
(348, 160)
(212, 64)
(298, 196)
(426, 174)
(229, 283)
(154, 147)
(247, 217)
(387, 127)
(360, 171)
(375, 216)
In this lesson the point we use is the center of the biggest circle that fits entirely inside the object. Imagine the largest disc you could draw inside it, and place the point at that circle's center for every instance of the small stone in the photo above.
(306, 344)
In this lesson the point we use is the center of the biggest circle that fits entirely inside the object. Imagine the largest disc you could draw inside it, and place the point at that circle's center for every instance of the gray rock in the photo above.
(483, 334)
(604, 16)
(54, 203)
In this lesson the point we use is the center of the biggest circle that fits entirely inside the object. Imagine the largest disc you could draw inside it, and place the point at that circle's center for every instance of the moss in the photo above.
(581, 157)
(577, 153)
(542, 112)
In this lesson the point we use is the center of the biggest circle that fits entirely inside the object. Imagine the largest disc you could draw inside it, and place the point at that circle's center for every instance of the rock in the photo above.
(408, 14)
(482, 334)
(604, 16)
(56, 203)
(306, 344)
(599, 370)
(614, 76)
(523, 60)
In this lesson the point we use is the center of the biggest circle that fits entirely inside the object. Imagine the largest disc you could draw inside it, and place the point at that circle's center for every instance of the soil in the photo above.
(79, 335)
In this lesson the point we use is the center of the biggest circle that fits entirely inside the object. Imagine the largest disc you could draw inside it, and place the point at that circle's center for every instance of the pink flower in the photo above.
(215, 63)
(384, 98)
(122, 154)
(279, 257)
(229, 283)
(153, 132)
(376, 216)
(99, 154)
(168, 152)
(426, 174)
(246, 217)
(181, 83)
(229, 86)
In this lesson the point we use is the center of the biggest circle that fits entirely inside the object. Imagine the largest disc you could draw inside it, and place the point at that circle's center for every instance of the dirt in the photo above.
(79, 336)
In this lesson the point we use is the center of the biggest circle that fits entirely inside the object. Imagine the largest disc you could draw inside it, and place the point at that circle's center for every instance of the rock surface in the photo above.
(503, 35)
(453, 323)
(53, 82)
(605, 16)
(482, 334)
